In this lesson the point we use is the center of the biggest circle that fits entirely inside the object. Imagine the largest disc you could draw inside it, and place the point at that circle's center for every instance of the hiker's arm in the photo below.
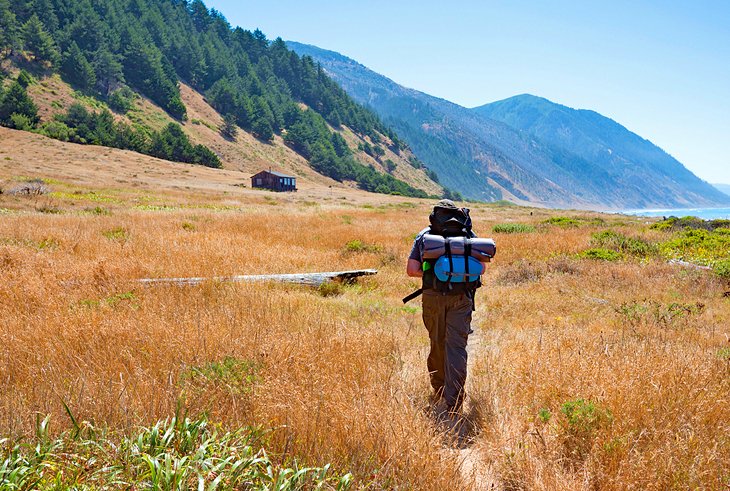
(414, 268)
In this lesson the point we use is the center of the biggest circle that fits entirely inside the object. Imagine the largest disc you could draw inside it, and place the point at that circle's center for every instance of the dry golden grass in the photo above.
(342, 378)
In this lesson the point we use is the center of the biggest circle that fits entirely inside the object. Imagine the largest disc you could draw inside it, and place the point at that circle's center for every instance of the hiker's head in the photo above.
(445, 204)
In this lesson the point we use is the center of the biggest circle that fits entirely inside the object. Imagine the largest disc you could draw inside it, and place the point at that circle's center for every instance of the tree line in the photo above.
(103, 47)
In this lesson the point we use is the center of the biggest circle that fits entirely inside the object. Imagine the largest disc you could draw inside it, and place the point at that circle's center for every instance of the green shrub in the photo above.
(513, 228)
(722, 268)
(608, 239)
(360, 246)
(562, 222)
(698, 245)
(601, 254)
(58, 130)
(119, 234)
(21, 122)
(236, 374)
(330, 289)
(691, 223)
(582, 420)
(122, 100)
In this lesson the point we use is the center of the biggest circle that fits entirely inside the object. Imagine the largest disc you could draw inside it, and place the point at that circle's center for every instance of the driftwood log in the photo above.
(685, 264)
(311, 279)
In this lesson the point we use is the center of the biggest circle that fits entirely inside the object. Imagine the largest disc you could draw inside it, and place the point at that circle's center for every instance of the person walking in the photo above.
(447, 310)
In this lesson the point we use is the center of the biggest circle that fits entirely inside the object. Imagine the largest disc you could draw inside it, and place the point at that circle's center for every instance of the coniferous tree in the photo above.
(229, 128)
(108, 71)
(16, 101)
(9, 38)
(39, 42)
(77, 69)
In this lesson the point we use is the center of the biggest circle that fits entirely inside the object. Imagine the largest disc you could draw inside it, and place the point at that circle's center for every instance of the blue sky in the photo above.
(660, 68)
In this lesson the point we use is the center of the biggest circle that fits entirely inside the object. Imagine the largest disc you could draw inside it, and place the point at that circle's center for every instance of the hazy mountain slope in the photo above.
(482, 157)
(630, 159)
(724, 188)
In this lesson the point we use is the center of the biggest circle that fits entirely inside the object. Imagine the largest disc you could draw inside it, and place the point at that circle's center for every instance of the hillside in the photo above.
(632, 161)
(243, 101)
(725, 188)
(485, 158)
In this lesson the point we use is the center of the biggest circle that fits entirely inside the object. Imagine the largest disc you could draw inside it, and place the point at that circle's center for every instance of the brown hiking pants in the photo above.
(448, 320)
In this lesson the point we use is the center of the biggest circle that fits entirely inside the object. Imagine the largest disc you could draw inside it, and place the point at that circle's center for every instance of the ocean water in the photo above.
(706, 213)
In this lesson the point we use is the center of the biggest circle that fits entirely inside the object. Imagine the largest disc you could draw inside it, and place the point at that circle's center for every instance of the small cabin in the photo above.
(275, 181)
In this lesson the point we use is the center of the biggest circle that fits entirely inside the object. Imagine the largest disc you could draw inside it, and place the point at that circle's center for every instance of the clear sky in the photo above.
(660, 68)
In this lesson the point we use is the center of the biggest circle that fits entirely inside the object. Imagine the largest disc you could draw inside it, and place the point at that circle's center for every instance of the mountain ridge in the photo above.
(486, 157)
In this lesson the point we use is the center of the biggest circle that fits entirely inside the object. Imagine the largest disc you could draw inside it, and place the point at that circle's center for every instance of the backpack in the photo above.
(449, 274)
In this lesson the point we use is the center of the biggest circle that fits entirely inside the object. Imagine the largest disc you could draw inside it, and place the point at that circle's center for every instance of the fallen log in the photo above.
(686, 264)
(311, 279)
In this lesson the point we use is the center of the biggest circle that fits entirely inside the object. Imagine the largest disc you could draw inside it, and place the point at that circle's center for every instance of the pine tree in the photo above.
(229, 128)
(77, 69)
(108, 70)
(39, 42)
(9, 39)
(17, 101)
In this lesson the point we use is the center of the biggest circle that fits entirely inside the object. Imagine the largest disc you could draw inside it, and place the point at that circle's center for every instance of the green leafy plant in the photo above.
(562, 222)
(608, 239)
(601, 254)
(360, 246)
(119, 234)
(582, 419)
(513, 228)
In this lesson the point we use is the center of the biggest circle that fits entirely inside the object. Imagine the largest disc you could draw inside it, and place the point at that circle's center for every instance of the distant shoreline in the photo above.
(705, 213)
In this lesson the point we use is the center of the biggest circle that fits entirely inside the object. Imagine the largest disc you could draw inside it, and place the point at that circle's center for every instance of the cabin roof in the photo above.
(274, 173)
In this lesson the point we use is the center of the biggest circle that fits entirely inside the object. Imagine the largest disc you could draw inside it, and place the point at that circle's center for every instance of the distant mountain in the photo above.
(631, 160)
(484, 157)
(725, 188)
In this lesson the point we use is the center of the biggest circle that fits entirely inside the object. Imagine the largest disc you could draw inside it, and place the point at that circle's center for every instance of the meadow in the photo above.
(587, 370)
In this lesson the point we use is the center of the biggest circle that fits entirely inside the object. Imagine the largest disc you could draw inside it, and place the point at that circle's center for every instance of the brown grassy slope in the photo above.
(120, 174)
(342, 378)
(246, 154)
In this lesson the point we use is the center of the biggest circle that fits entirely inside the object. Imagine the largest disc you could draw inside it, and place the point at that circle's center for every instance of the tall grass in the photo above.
(574, 382)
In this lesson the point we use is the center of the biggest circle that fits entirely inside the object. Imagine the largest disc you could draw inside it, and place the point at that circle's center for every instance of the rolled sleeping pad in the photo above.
(443, 269)
(434, 246)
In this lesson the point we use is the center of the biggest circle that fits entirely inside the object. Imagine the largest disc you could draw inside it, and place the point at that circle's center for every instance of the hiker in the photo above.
(447, 305)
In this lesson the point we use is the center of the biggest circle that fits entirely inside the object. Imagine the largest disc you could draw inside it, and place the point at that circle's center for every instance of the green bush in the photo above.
(21, 122)
(608, 239)
(601, 254)
(722, 268)
(513, 228)
(58, 131)
(562, 222)
(122, 100)
(691, 223)
(582, 420)
(360, 246)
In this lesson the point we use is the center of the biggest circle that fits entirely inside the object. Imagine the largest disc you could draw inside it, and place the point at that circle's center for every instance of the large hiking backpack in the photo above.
(451, 256)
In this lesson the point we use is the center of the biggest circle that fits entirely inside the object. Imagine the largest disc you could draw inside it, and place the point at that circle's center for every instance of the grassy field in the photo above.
(587, 370)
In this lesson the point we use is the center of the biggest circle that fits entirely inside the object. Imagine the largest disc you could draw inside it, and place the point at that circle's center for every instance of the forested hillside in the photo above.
(105, 48)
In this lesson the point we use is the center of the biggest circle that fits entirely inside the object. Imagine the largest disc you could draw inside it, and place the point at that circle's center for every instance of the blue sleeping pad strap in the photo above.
(447, 247)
